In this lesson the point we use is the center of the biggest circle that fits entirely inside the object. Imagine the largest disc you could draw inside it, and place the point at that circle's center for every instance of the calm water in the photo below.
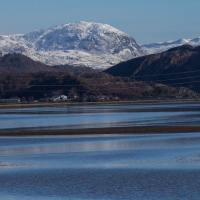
(100, 116)
(113, 167)
(104, 167)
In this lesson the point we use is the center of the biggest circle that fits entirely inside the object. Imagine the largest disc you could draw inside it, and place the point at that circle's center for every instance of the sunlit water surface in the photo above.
(152, 166)
(100, 116)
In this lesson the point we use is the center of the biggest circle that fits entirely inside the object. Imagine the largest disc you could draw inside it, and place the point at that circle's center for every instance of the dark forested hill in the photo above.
(179, 66)
(90, 86)
(17, 63)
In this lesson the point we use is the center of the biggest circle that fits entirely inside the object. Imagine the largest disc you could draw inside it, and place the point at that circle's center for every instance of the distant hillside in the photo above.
(87, 86)
(17, 63)
(164, 46)
(179, 66)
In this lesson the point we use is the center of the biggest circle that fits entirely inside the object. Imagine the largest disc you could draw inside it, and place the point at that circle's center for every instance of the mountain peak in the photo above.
(79, 43)
(86, 28)
(164, 46)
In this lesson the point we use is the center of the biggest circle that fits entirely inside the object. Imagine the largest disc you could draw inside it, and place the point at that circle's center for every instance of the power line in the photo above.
(109, 83)
(89, 89)
(184, 83)
(99, 89)
(166, 74)
(154, 81)
(173, 79)
(124, 70)
(132, 76)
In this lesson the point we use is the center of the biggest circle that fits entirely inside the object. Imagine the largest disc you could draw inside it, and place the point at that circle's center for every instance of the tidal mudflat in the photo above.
(152, 166)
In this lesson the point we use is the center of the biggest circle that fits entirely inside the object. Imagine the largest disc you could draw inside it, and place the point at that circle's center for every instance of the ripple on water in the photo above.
(103, 184)
(101, 167)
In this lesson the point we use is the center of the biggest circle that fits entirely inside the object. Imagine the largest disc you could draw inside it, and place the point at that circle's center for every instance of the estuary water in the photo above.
(102, 167)
(141, 167)
(100, 116)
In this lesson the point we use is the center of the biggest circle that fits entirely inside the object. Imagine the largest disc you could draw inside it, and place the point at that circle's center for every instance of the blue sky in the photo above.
(147, 21)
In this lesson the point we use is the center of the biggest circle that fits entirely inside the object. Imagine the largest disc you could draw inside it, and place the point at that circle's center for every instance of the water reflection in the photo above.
(100, 116)
(130, 151)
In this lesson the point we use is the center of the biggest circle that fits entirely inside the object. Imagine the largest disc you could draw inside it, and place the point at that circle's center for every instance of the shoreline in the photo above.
(101, 131)
(50, 104)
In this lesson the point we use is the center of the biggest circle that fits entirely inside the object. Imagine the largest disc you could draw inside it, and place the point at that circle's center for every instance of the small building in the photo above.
(58, 98)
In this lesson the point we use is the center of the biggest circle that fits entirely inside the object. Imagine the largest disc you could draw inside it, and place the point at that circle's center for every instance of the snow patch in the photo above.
(81, 43)
(164, 46)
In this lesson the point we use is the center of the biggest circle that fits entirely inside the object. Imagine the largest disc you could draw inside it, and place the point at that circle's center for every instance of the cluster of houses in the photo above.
(87, 98)
(55, 98)
(64, 98)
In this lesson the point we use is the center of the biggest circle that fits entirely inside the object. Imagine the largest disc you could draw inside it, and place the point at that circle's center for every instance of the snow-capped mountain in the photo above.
(163, 46)
(82, 43)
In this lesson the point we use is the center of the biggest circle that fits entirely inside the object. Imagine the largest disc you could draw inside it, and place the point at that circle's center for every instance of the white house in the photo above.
(58, 98)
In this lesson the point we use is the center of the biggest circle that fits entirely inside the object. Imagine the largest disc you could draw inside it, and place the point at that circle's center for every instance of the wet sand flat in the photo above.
(111, 130)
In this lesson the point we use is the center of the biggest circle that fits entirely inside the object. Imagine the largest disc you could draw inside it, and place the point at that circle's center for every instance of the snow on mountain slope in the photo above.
(82, 43)
(163, 46)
